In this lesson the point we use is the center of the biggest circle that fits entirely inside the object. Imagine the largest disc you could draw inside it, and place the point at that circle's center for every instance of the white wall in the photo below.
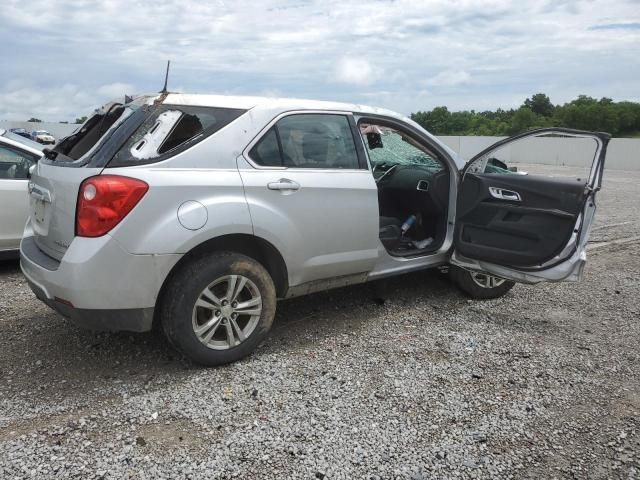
(622, 153)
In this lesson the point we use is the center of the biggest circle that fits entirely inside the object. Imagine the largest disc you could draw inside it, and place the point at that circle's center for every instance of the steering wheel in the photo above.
(391, 169)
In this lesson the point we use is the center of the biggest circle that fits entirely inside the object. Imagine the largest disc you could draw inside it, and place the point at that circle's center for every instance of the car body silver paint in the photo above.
(321, 237)
(152, 227)
(53, 218)
(97, 273)
(192, 215)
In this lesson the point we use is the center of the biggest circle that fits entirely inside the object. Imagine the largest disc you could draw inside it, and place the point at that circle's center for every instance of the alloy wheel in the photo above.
(486, 281)
(227, 312)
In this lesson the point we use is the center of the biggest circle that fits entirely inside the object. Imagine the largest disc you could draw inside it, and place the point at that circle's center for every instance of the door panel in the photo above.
(523, 232)
(325, 226)
(527, 228)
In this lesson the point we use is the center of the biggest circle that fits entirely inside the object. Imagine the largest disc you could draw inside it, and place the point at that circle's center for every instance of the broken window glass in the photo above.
(170, 130)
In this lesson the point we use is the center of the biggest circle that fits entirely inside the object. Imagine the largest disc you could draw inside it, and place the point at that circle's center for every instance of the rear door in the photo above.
(524, 226)
(310, 193)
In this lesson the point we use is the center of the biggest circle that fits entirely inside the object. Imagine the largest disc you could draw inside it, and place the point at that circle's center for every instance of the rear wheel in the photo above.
(480, 285)
(218, 308)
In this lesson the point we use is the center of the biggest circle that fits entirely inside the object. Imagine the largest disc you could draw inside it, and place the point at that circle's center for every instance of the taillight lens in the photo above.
(104, 200)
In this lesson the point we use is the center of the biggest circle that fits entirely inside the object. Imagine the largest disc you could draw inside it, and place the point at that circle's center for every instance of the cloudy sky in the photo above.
(60, 59)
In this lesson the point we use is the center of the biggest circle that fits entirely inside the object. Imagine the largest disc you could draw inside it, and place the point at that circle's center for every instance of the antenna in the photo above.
(166, 78)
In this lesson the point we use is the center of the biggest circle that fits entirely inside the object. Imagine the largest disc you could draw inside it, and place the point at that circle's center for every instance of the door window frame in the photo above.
(595, 174)
(448, 162)
(363, 163)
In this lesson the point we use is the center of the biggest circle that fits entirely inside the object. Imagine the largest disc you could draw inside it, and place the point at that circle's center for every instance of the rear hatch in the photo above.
(54, 185)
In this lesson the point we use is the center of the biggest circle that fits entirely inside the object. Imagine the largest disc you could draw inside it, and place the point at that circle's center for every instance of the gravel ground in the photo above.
(542, 383)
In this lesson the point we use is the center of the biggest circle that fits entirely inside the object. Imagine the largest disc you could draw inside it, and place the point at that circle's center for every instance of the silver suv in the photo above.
(198, 212)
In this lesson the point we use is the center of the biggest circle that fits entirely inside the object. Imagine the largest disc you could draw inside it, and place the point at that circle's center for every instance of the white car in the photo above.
(17, 156)
(43, 137)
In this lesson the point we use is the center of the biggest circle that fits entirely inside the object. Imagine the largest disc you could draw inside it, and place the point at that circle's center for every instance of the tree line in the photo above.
(621, 119)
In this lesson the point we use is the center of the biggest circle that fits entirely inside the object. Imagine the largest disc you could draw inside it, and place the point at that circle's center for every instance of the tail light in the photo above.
(104, 200)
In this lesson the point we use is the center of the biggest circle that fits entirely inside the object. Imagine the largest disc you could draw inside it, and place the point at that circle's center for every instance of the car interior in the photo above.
(413, 191)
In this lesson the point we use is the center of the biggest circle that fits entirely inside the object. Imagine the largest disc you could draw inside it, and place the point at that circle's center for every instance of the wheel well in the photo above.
(251, 246)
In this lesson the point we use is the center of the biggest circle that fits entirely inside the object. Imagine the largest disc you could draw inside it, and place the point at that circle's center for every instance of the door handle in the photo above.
(283, 184)
(503, 194)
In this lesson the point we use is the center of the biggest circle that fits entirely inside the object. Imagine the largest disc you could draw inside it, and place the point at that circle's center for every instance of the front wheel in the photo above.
(479, 285)
(218, 308)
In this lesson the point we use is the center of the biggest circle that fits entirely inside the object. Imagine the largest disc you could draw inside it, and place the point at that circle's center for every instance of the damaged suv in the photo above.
(198, 212)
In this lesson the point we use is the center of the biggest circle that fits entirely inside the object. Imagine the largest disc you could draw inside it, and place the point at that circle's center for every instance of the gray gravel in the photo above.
(542, 383)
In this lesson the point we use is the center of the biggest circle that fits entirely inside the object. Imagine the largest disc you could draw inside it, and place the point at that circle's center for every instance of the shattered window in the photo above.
(391, 147)
(170, 130)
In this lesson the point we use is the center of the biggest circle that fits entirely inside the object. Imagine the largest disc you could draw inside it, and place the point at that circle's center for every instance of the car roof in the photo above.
(14, 140)
(276, 105)
(272, 103)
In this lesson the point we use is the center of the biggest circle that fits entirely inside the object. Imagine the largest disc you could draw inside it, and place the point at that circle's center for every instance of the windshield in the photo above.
(42, 132)
(387, 146)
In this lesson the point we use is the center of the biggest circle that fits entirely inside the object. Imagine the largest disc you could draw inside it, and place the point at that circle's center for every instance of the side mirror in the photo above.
(494, 162)
(32, 169)
(374, 140)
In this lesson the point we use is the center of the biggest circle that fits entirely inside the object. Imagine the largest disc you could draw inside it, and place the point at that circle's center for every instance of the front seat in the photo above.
(390, 233)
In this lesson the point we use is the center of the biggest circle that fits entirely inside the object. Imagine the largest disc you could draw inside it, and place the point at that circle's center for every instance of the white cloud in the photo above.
(116, 90)
(65, 57)
(355, 71)
(449, 78)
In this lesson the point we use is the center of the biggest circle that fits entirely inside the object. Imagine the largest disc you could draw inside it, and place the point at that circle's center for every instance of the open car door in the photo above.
(529, 228)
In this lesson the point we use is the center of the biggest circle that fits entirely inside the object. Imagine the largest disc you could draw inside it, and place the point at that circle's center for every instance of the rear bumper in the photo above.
(131, 320)
(97, 283)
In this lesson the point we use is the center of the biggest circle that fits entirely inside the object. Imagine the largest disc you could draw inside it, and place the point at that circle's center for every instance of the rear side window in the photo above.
(171, 129)
(308, 141)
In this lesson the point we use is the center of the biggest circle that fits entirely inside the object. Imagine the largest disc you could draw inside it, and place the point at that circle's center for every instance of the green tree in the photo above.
(584, 113)
(81, 120)
(524, 119)
(34, 120)
(539, 104)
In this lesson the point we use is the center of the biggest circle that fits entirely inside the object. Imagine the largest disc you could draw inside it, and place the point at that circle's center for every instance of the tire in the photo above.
(219, 329)
(465, 281)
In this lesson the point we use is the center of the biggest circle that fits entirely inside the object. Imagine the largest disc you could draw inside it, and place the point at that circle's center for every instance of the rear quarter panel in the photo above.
(153, 226)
